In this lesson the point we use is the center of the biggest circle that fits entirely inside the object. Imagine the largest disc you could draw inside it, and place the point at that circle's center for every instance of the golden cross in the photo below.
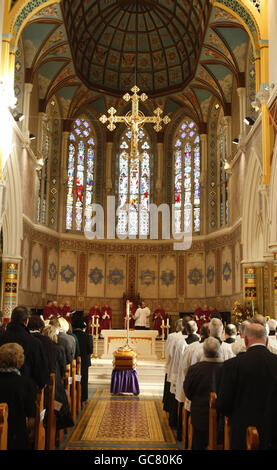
(135, 118)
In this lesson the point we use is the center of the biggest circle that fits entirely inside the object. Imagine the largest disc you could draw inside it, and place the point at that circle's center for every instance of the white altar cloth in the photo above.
(141, 341)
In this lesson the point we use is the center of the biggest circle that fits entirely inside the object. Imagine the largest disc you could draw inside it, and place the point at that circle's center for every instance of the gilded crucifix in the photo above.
(135, 118)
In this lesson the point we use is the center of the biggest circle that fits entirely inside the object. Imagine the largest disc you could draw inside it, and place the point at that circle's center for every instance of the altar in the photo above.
(141, 341)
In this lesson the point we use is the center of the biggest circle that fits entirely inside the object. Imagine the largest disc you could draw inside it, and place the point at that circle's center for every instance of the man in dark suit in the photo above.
(246, 388)
(35, 365)
(203, 378)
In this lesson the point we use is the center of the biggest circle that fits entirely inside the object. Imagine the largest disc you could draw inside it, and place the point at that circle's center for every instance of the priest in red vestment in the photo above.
(55, 310)
(47, 311)
(66, 310)
(94, 314)
(106, 317)
(132, 312)
(157, 318)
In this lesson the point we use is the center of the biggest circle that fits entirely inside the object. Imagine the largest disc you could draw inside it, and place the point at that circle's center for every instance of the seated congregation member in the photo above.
(203, 378)
(215, 330)
(35, 363)
(57, 366)
(191, 329)
(64, 340)
(245, 392)
(230, 333)
(86, 350)
(159, 315)
(70, 332)
(64, 330)
(106, 317)
(19, 392)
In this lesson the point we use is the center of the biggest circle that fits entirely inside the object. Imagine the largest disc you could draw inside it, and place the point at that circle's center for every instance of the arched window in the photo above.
(80, 176)
(187, 163)
(134, 178)
(223, 178)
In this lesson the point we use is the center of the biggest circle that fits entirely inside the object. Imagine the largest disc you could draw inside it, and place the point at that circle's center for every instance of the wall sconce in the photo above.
(32, 136)
(235, 141)
(19, 117)
(249, 121)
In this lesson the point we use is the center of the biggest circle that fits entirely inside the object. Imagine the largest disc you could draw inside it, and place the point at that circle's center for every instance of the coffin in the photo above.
(125, 358)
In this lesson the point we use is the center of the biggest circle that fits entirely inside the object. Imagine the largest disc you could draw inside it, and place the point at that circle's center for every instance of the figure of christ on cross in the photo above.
(135, 119)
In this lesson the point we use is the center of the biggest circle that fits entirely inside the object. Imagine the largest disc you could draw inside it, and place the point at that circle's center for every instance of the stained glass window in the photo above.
(134, 186)
(223, 178)
(187, 163)
(80, 176)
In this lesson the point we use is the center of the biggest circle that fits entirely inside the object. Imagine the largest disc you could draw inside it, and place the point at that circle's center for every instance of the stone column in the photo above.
(63, 180)
(109, 157)
(28, 87)
(242, 111)
(159, 174)
(204, 182)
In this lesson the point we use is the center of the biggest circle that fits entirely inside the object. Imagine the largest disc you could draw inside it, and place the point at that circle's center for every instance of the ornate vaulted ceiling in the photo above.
(184, 53)
(153, 42)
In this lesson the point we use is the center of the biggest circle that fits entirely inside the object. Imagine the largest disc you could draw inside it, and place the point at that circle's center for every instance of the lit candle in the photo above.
(167, 321)
(128, 308)
(162, 323)
(97, 321)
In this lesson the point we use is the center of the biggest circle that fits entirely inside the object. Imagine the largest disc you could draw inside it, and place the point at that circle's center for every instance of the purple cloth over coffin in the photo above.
(125, 381)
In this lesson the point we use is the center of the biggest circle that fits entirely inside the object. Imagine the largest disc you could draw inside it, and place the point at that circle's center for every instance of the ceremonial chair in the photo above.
(252, 438)
(51, 417)
(73, 390)
(39, 443)
(78, 386)
(3, 426)
(227, 431)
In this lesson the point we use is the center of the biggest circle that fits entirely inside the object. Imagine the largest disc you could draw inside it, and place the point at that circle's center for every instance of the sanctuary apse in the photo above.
(207, 65)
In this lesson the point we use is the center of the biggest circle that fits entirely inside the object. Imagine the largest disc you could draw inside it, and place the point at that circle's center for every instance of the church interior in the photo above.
(112, 107)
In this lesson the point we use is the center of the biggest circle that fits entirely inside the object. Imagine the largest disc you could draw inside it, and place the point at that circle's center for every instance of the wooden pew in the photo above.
(4, 426)
(252, 438)
(190, 433)
(227, 431)
(78, 385)
(51, 417)
(73, 390)
(184, 426)
(39, 443)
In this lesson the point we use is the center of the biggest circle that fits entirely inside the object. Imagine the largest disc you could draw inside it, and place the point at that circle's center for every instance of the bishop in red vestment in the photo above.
(106, 317)
(157, 318)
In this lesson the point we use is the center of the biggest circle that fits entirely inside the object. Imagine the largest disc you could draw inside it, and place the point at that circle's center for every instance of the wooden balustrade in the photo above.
(78, 385)
(73, 390)
(184, 426)
(190, 433)
(3, 426)
(227, 432)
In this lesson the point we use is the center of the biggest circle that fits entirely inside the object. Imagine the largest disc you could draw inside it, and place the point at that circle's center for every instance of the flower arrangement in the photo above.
(241, 312)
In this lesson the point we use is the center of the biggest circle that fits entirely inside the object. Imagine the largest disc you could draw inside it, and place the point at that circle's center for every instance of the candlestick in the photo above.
(128, 308)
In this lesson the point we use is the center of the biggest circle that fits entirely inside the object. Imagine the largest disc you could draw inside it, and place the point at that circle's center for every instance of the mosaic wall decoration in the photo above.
(52, 272)
(195, 276)
(95, 275)
(210, 274)
(167, 277)
(54, 167)
(115, 276)
(36, 268)
(147, 277)
(67, 273)
(19, 71)
(212, 170)
(226, 271)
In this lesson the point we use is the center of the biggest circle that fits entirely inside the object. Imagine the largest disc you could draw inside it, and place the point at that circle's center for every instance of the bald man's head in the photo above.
(255, 333)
